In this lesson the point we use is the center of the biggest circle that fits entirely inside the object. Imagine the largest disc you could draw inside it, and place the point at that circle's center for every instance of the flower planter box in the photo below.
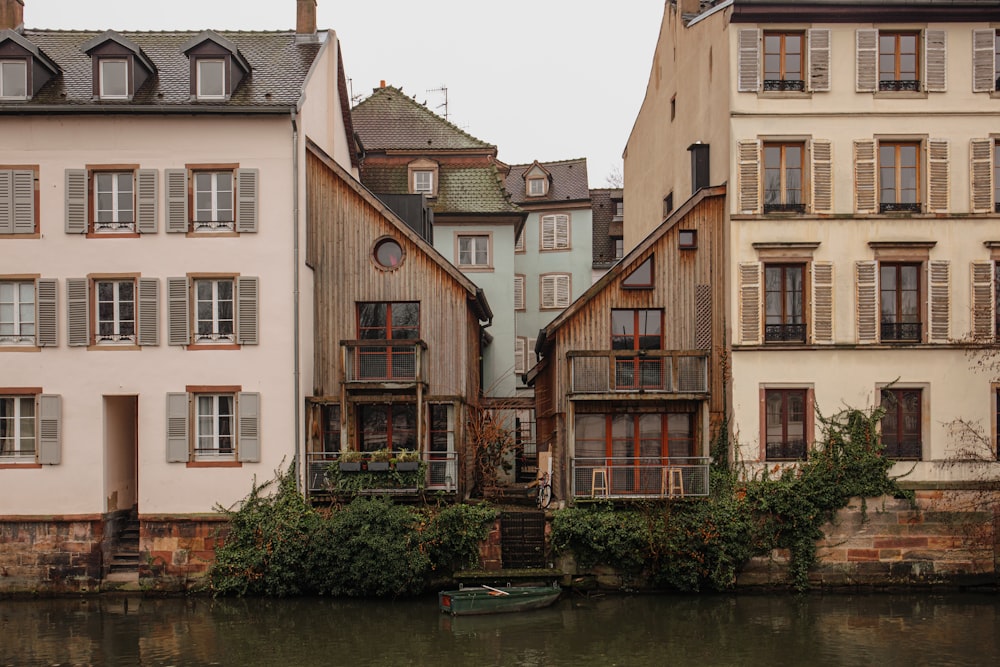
(350, 466)
(378, 466)
(407, 466)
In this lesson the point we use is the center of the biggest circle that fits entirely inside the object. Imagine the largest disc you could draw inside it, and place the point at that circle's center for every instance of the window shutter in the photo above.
(983, 301)
(562, 291)
(819, 59)
(177, 200)
(24, 201)
(822, 302)
(982, 175)
(983, 66)
(749, 176)
(6, 201)
(518, 292)
(246, 199)
(519, 344)
(246, 310)
(938, 183)
(562, 231)
(149, 311)
(939, 306)
(750, 303)
(530, 356)
(866, 301)
(178, 312)
(46, 333)
(248, 444)
(822, 175)
(50, 429)
(147, 196)
(76, 201)
(178, 448)
(702, 317)
(548, 232)
(866, 58)
(748, 77)
(78, 313)
(865, 199)
(935, 61)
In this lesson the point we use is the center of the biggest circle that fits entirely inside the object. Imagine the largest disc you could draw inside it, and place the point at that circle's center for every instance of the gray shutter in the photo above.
(866, 58)
(519, 344)
(562, 291)
(865, 184)
(178, 312)
(46, 327)
(939, 302)
(982, 175)
(748, 67)
(248, 443)
(750, 303)
(821, 151)
(77, 312)
(822, 302)
(749, 176)
(938, 183)
(935, 61)
(819, 59)
(702, 317)
(24, 201)
(177, 199)
(178, 447)
(866, 301)
(147, 196)
(246, 310)
(6, 201)
(983, 67)
(76, 201)
(50, 429)
(149, 311)
(246, 199)
(983, 301)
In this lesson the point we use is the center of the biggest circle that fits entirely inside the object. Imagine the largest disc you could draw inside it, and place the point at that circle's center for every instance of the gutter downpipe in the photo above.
(296, 366)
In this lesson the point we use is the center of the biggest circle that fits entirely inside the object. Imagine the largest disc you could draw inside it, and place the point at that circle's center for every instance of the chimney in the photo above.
(305, 17)
(11, 14)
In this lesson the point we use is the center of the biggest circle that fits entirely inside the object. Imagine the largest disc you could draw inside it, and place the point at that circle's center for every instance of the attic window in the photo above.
(114, 78)
(211, 78)
(642, 277)
(13, 80)
(536, 187)
(423, 181)
(388, 253)
(422, 176)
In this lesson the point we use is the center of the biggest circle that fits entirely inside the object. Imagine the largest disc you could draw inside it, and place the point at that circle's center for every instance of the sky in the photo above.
(542, 80)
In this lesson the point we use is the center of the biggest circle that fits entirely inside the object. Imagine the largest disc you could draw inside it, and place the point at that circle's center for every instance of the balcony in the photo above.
(785, 333)
(900, 207)
(629, 478)
(906, 450)
(791, 450)
(908, 332)
(899, 85)
(440, 474)
(384, 361)
(784, 85)
(654, 371)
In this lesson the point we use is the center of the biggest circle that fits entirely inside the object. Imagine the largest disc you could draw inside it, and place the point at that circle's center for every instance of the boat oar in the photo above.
(496, 591)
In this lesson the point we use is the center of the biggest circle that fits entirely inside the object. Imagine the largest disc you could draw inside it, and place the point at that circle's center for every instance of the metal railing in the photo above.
(905, 449)
(601, 371)
(383, 360)
(628, 477)
(794, 85)
(785, 333)
(900, 207)
(791, 450)
(899, 85)
(442, 471)
(902, 331)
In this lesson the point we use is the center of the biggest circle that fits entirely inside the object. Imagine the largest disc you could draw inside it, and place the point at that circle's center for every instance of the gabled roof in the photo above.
(212, 36)
(567, 181)
(112, 36)
(390, 120)
(33, 49)
(471, 190)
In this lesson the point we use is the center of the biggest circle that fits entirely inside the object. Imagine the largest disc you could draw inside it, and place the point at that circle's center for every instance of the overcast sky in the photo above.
(540, 79)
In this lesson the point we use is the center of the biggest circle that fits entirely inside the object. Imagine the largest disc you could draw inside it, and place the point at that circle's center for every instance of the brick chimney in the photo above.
(305, 17)
(11, 14)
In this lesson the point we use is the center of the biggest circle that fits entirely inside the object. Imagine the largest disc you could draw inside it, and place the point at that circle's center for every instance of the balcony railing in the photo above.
(900, 207)
(902, 331)
(792, 450)
(784, 208)
(785, 333)
(899, 85)
(441, 472)
(383, 360)
(627, 477)
(796, 85)
(906, 449)
(603, 371)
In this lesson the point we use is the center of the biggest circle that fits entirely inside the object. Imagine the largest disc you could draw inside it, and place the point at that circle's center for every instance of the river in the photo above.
(745, 630)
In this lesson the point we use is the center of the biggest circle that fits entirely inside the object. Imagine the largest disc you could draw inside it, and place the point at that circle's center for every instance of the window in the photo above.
(114, 78)
(784, 319)
(215, 435)
(784, 60)
(111, 310)
(687, 239)
(114, 201)
(423, 181)
(441, 466)
(474, 251)
(619, 210)
(519, 292)
(555, 232)
(898, 58)
(996, 60)
(215, 316)
(900, 302)
(536, 187)
(519, 243)
(115, 311)
(221, 310)
(209, 425)
(17, 312)
(13, 80)
(391, 426)
(211, 78)
(210, 198)
(902, 423)
(668, 204)
(18, 429)
(785, 424)
(18, 192)
(783, 164)
(899, 176)
(393, 329)
(213, 200)
(637, 330)
(555, 290)
(331, 427)
(388, 253)
(619, 247)
(641, 277)
(520, 347)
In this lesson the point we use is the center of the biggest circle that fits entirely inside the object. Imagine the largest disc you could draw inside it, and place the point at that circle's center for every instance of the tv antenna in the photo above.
(442, 89)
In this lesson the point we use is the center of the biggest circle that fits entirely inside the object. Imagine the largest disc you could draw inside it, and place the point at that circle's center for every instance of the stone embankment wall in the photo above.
(175, 554)
(50, 555)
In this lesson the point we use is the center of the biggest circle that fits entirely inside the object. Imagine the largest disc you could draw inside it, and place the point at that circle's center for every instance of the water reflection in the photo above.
(660, 630)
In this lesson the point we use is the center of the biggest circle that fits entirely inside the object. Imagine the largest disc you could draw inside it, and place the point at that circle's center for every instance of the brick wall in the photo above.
(51, 554)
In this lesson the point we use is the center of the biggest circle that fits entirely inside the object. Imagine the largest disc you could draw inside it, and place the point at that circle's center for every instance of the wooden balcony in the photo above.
(440, 474)
(384, 362)
(623, 478)
(644, 371)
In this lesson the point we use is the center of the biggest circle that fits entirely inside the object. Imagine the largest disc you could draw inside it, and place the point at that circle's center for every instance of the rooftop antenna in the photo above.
(350, 86)
(442, 89)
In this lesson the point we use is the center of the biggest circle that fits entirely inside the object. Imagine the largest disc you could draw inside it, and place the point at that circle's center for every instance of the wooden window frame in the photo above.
(519, 245)
(688, 442)
(786, 333)
(213, 339)
(687, 239)
(783, 83)
(785, 446)
(216, 415)
(123, 230)
(215, 225)
(897, 83)
(901, 330)
(628, 283)
(474, 239)
(101, 75)
(390, 408)
(898, 414)
(784, 205)
(897, 170)
(541, 182)
(619, 244)
(17, 394)
(96, 341)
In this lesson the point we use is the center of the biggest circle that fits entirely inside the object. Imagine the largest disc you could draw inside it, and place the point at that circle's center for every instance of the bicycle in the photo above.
(544, 491)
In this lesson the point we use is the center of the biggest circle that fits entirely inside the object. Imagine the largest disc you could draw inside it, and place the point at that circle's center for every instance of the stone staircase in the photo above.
(124, 565)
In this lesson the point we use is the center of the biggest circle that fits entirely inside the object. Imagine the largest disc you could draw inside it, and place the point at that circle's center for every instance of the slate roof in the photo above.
(473, 190)
(603, 210)
(279, 66)
(390, 120)
(568, 182)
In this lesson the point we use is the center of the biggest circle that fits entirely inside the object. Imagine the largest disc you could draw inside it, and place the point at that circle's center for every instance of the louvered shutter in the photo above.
(935, 61)
(822, 302)
(76, 201)
(177, 200)
(248, 443)
(819, 59)
(518, 292)
(702, 317)
(562, 231)
(750, 303)
(46, 330)
(865, 184)
(519, 344)
(562, 291)
(749, 176)
(77, 312)
(24, 201)
(6, 201)
(50, 429)
(982, 175)
(938, 182)
(983, 301)
(246, 310)
(531, 358)
(821, 151)
(866, 301)
(866, 59)
(178, 312)
(178, 447)
(548, 291)
(748, 67)
(983, 64)
(246, 199)
(939, 302)
(147, 196)
(548, 232)
(149, 311)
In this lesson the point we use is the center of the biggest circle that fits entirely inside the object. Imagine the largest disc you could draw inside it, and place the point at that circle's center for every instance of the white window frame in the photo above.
(217, 333)
(201, 65)
(108, 77)
(7, 68)
(208, 422)
(118, 316)
(474, 251)
(17, 314)
(555, 232)
(536, 186)
(12, 444)
(121, 219)
(423, 181)
(216, 219)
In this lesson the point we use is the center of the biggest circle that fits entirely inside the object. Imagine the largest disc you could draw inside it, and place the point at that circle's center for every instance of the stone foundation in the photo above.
(51, 555)
(175, 553)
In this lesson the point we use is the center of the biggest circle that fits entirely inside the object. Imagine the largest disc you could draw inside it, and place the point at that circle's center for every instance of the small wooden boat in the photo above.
(489, 600)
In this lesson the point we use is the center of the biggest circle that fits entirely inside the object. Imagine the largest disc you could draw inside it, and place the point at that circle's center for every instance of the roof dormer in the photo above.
(537, 180)
(422, 175)
(24, 69)
(217, 66)
(119, 66)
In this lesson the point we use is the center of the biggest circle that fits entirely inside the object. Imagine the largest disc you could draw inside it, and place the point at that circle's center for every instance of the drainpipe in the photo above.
(296, 369)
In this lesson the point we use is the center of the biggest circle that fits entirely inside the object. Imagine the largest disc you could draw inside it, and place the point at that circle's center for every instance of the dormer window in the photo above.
(119, 66)
(13, 79)
(536, 180)
(24, 68)
(211, 78)
(536, 187)
(217, 66)
(114, 78)
(422, 175)
(423, 181)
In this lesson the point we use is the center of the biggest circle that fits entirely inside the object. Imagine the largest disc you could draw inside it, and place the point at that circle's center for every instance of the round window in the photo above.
(388, 253)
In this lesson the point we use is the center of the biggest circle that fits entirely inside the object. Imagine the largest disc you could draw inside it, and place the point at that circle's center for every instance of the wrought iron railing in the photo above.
(602, 371)
(784, 208)
(905, 449)
(628, 477)
(790, 450)
(899, 85)
(796, 85)
(900, 207)
(383, 360)
(902, 331)
(785, 333)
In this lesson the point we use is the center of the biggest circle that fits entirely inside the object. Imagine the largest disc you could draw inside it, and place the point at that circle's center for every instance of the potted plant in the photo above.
(350, 461)
(379, 461)
(407, 460)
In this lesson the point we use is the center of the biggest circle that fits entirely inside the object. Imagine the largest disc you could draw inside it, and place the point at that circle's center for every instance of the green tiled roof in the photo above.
(473, 190)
